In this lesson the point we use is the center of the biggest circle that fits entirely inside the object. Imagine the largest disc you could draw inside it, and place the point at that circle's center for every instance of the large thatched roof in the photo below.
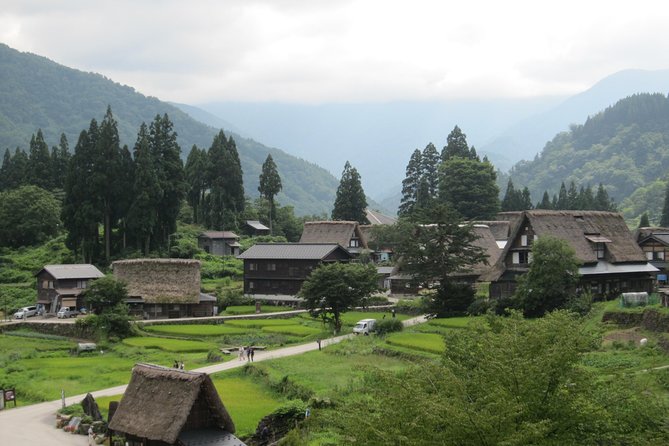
(161, 280)
(486, 241)
(340, 232)
(160, 402)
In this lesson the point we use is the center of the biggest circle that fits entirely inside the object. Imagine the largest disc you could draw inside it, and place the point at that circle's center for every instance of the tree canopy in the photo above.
(29, 215)
(332, 289)
(350, 203)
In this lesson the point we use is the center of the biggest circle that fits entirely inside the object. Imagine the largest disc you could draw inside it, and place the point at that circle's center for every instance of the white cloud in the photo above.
(319, 51)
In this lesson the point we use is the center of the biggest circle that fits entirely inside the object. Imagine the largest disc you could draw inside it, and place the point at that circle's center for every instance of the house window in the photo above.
(655, 255)
(354, 243)
(82, 284)
(45, 283)
(521, 257)
(649, 255)
(251, 285)
(523, 240)
(600, 250)
(659, 255)
(271, 267)
(253, 267)
(293, 271)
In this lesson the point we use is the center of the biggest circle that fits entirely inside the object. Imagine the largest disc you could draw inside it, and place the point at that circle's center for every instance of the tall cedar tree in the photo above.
(664, 220)
(60, 156)
(430, 171)
(40, 162)
(509, 202)
(105, 178)
(167, 157)
(350, 203)
(545, 202)
(196, 179)
(5, 170)
(127, 196)
(602, 200)
(456, 146)
(469, 186)
(563, 198)
(80, 212)
(226, 198)
(143, 213)
(411, 183)
(644, 222)
(269, 185)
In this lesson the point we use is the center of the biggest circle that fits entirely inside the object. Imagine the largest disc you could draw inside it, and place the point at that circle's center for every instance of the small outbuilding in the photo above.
(219, 243)
(163, 406)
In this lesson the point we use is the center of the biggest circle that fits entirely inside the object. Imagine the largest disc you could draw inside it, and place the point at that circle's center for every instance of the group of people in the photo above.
(246, 353)
(178, 365)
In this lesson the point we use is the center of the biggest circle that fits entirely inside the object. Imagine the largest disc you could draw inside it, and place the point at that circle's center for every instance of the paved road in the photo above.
(34, 425)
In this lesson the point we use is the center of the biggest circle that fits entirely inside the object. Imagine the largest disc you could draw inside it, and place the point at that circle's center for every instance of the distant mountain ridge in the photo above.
(36, 92)
(625, 147)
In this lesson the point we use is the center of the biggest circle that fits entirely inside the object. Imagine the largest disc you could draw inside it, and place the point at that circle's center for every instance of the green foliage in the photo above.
(246, 242)
(29, 216)
(551, 279)
(170, 345)
(350, 203)
(385, 326)
(195, 330)
(469, 186)
(512, 382)
(332, 289)
(427, 342)
(106, 296)
(219, 266)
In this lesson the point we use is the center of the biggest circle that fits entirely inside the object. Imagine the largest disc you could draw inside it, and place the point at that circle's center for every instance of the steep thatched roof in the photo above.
(657, 233)
(499, 228)
(486, 241)
(160, 402)
(161, 280)
(340, 232)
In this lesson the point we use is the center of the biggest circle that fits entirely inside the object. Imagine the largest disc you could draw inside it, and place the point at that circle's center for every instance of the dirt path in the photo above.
(35, 424)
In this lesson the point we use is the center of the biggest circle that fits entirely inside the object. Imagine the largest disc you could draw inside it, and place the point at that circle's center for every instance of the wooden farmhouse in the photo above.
(276, 271)
(611, 260)
(164, 288)
(61, 285)
(345, 233)
(163, 407)
(654, 242)
(219, 243)
(403, 283)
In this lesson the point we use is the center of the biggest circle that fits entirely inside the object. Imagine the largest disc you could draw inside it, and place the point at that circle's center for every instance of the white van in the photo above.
(365, 326)
(25, 312)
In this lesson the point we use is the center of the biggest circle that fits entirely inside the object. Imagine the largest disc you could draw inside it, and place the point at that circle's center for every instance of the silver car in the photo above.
(25, 312)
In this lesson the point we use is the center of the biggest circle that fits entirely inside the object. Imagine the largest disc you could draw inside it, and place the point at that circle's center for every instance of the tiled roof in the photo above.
(255, 224)
(73, 271)
(219, 234)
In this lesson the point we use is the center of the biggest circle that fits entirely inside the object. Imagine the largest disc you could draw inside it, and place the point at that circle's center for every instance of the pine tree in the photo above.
(470, 187)
(215, 204)
(5, 171)
(602, 200)
(644, 222)
(234, 182)
(410, 184)
(664, 220)
(143, 212)
(196, 178)
(350, 203)
(40, 162)
(525, 199)
(269, 185)
(456, 146)
(80, 213)
(509, 202)
(60, 156)
(127, 194)
(430, 161)
(563, 199)
(169, 168)
(545, 202)
(105, 177)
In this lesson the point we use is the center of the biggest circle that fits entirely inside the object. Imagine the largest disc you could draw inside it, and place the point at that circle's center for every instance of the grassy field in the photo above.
(260, 323)
(195, 330)
(292, 330)
(251, 309)
(170, 345)
(427, 342)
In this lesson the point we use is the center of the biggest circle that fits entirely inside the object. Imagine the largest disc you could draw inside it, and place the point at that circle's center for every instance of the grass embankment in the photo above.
(169, 345)
(234, 310)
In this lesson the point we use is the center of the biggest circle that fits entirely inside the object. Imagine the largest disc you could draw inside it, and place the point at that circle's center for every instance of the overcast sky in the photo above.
(317, 51)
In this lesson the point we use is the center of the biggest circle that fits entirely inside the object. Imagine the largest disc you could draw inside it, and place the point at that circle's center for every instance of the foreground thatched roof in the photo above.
(160, 402)
(340, 232)
(161, 280)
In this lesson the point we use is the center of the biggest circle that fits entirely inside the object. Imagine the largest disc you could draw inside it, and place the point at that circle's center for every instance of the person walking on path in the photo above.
(241, 354)
(393, 313)
(318, 341)
(251, 353)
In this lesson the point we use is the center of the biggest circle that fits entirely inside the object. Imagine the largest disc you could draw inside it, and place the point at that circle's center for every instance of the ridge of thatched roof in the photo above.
(499, 228)
(159, 401)
(485, 240)
(340, 232)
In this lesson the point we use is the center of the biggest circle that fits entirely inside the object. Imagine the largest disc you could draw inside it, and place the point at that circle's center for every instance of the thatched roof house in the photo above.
(164, 406)
(345, 233)
(654, 242)
(161, 280)
(610, 257)
(377, 218)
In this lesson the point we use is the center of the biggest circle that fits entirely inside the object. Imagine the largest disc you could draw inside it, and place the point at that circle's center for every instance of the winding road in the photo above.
(35, 424)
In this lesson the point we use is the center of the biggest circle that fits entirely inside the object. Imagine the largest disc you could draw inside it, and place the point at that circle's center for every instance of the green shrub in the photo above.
(480, 306)
(377, 299)
(385, 326)
(411, 306)
(581, 304)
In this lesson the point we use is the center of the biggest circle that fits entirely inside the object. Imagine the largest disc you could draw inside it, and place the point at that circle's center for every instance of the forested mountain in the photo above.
(625, 147)
(37, 93)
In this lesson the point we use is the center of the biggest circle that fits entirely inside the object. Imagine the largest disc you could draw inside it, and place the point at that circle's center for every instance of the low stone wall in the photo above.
(649, 319)
(67, 330)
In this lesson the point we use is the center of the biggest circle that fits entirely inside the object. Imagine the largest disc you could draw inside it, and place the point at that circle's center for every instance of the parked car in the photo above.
(67, 312)
(365, 326)
(25, 312)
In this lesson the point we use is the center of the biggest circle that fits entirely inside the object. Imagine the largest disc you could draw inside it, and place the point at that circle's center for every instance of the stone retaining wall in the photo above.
(649, 319)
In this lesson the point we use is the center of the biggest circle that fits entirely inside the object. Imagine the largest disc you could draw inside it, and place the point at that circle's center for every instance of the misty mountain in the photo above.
(36, 92)
(527, 137)
(377, 139)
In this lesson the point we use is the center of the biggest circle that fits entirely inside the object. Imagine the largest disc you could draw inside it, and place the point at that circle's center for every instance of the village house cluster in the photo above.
(613, 260)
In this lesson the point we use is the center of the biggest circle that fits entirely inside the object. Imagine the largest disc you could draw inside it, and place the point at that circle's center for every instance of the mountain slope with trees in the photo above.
(625, 147)
(37, 93)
